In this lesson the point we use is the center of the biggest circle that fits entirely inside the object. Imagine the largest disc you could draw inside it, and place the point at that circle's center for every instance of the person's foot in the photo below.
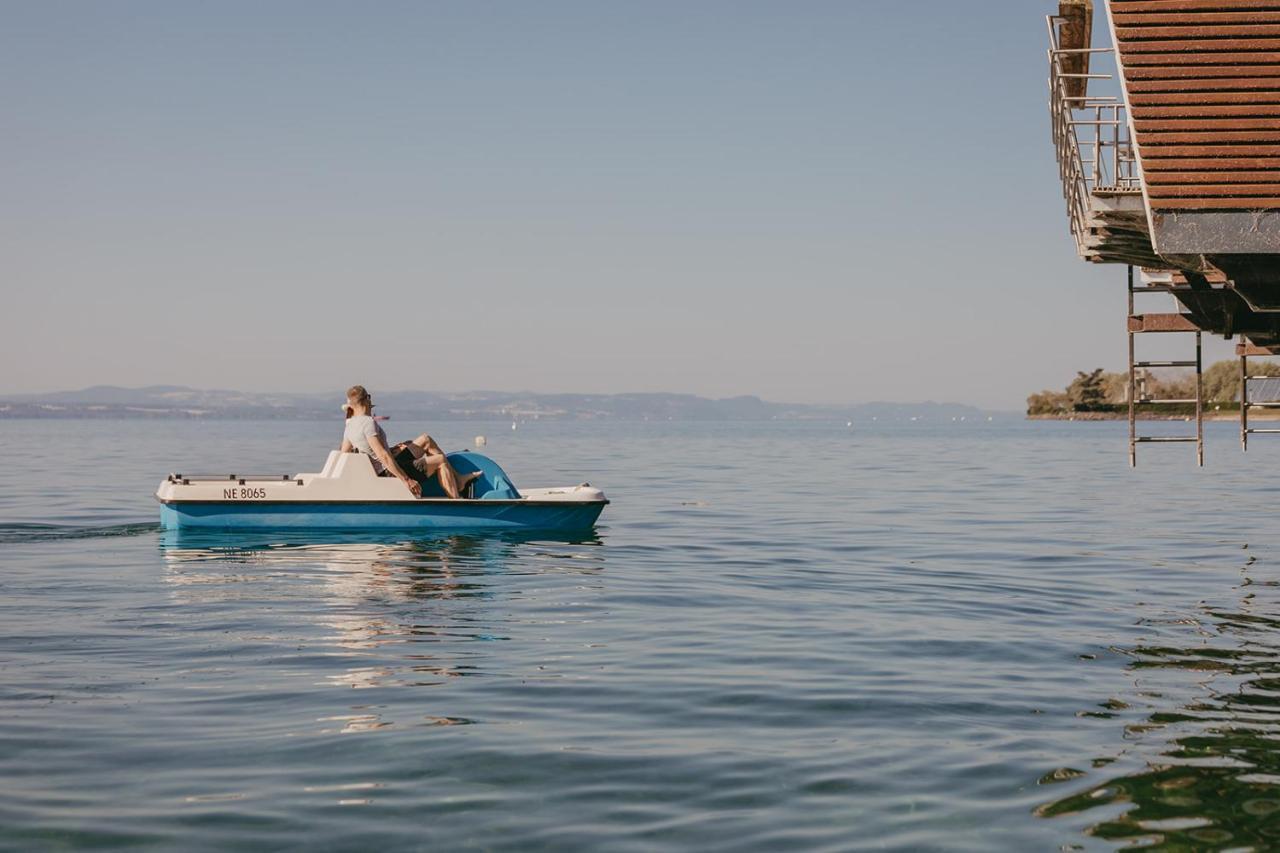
(465, 481)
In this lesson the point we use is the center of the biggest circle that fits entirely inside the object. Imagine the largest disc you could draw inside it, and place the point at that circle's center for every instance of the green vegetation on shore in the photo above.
(1099, 391)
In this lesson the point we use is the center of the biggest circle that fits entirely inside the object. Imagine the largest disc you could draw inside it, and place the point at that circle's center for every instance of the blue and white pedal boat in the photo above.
(348, 495)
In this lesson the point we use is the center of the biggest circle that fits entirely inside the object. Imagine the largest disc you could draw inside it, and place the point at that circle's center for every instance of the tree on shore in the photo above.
(1094, 391)
(1100, 391)
(1048, 403)
(1087, 392)
(1222, 379)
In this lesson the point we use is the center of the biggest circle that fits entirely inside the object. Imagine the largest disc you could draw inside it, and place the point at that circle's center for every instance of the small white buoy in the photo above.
(849, 424)
(513, 424)
(481, 441)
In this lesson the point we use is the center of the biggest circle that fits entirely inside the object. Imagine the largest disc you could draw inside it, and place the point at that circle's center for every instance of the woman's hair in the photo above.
(356, 394)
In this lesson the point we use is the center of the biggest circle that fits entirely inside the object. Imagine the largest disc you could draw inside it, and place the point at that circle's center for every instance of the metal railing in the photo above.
(1090, 134)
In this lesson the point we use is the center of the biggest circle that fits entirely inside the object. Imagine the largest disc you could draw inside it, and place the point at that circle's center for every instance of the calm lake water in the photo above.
(892, 636)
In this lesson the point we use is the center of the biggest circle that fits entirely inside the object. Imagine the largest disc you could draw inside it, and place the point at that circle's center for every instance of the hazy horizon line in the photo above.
(16, 395)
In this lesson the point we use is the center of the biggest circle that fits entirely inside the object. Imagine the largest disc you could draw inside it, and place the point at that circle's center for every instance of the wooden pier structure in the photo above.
(1171, 165)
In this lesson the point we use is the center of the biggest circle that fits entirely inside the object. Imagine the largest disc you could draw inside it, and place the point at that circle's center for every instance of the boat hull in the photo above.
(436, 517)
(348, 495)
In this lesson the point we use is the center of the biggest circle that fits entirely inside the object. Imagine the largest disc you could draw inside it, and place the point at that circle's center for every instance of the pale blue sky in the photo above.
(809, 201)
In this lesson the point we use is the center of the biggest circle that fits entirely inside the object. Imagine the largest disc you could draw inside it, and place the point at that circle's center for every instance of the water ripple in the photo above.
(904, 637)
(1201, 723)
(32, 532)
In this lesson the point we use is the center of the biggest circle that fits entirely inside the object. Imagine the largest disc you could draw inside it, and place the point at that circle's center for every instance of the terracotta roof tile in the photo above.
(1202, 78)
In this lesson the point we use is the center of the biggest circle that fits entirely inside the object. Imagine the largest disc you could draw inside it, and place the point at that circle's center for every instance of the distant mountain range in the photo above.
(175, 401)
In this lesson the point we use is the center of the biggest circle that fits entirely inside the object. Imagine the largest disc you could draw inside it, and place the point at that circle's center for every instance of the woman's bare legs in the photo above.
(427, 444)
(434, 461)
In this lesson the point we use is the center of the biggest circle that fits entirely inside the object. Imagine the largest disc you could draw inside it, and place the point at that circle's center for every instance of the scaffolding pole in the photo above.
(1244, 400)
(1133, 387)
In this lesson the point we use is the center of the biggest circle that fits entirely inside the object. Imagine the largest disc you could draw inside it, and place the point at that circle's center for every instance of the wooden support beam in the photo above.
(1075, 33)
(1161, 323)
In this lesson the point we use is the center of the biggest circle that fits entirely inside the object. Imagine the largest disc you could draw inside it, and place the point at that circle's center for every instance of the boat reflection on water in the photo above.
(1200, 771)
(409, 611)
(386, 556)
(413, 568)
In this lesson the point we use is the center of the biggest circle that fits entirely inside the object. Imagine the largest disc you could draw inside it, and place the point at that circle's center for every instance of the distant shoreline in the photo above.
(183, 403)
(1149, 416)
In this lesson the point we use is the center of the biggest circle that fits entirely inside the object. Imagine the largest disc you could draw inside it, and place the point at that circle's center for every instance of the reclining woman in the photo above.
(413, 462)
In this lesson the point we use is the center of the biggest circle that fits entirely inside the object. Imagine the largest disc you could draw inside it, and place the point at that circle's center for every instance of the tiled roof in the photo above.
(1202, 78)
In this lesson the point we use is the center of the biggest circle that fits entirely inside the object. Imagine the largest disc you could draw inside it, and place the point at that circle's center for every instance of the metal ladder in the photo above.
(1245, 350)
(1162, 323)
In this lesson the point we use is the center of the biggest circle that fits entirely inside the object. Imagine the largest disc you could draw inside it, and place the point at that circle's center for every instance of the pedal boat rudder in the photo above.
(348, 495)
